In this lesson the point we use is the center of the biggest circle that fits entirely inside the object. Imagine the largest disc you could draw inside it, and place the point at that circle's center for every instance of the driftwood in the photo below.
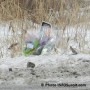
(13, 45)
(73, 50)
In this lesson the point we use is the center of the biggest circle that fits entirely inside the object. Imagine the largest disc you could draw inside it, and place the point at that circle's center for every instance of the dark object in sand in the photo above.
(10, 69)
(30, 64)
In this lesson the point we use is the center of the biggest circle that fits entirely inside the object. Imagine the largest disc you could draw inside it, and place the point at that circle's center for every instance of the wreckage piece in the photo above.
(35, 43)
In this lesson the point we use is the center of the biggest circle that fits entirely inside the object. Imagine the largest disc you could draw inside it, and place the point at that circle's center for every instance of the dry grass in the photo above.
(60, 13)
(53, 11)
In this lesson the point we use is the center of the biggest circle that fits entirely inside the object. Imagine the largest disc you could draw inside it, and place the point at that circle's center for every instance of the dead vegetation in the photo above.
(60, 13)
(42, 10)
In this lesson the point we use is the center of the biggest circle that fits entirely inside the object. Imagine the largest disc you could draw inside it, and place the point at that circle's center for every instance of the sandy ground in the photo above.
(49, 69)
